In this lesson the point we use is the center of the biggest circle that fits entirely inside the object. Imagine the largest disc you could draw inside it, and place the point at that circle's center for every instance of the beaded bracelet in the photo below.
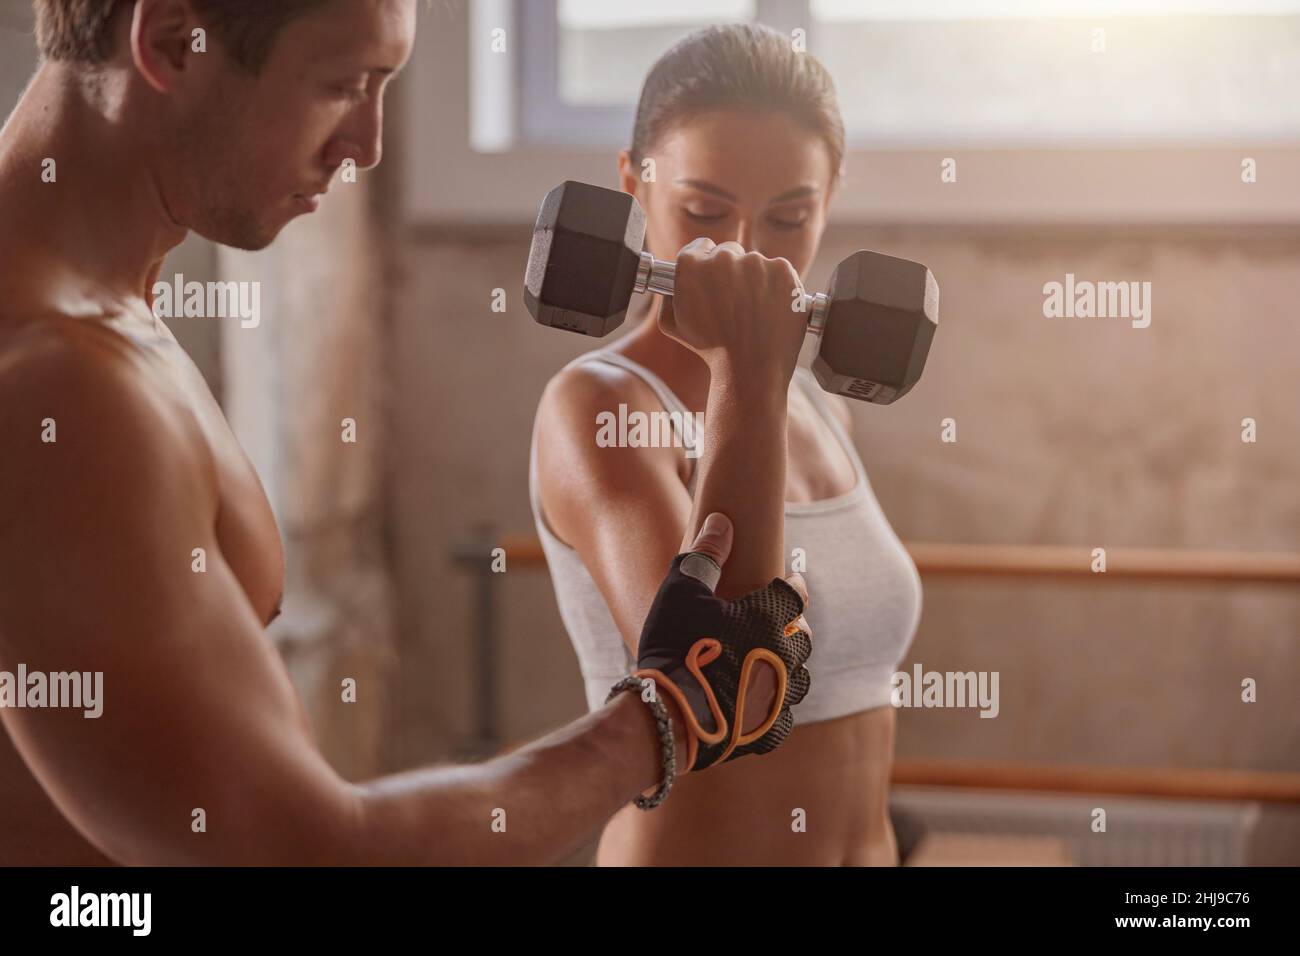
(667, 744)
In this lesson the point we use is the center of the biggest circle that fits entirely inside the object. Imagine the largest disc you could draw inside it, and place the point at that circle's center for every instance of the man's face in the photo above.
(254, 151)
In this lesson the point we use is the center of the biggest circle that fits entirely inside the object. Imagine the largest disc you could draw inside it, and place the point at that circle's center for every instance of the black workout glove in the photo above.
(700, 649)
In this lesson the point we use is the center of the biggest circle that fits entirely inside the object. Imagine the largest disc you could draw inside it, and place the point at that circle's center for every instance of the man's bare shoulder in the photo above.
(79, 410)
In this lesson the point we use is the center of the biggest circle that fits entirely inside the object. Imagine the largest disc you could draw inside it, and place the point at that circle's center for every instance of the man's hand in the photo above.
(733, 668)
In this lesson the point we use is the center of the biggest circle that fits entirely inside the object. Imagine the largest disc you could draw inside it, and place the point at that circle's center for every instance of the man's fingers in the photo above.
(715, 537)
(709, 551)
(797, 582)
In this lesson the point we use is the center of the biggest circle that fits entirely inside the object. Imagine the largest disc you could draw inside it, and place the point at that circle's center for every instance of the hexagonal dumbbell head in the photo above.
(583, 260)
(879, 322)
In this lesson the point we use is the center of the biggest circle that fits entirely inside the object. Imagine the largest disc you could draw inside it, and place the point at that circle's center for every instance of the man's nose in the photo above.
(362, 141)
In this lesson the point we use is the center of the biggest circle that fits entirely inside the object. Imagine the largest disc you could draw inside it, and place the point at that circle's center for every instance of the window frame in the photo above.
(885, 184)
(545, 120)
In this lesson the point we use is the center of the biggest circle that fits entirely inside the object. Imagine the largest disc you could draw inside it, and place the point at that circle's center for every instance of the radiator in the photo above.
(1139, 831)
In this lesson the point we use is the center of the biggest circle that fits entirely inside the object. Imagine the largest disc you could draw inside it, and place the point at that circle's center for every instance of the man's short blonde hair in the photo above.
(82, 30)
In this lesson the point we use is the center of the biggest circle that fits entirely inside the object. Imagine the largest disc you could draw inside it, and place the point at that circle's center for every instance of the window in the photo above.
(946, 73)
(582, 62)
(1072, 73)
(605, 49)
(1155, 129)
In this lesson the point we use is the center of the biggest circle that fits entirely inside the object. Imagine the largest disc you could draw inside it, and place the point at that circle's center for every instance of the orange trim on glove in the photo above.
(702, 652)
(782, 680)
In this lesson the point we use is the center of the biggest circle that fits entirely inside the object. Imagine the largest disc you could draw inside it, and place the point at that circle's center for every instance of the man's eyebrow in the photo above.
(799, 192)
(348, 62)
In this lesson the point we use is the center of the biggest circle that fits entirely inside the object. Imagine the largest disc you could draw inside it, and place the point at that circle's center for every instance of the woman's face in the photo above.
(759, 179)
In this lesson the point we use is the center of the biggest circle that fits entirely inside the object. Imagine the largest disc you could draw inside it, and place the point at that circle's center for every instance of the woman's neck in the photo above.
(684, 371)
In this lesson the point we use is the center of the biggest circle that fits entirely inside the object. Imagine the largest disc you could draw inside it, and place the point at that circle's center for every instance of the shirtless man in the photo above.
(117, 463)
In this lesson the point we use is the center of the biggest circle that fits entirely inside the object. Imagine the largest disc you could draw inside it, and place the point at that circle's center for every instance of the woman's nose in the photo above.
(745, 234)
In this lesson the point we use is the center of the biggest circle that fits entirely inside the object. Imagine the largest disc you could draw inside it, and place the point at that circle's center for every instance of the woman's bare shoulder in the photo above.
(582, 456)
(577, 396)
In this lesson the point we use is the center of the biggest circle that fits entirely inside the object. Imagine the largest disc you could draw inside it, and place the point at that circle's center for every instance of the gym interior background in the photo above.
(1118, 155)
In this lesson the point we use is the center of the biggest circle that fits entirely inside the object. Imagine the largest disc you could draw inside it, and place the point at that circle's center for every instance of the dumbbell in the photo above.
(587, 259)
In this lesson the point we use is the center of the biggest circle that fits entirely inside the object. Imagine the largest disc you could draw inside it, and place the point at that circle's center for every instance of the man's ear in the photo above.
(161, 38)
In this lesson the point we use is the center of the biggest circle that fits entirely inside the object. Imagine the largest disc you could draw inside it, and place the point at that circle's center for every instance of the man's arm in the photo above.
(97, 531)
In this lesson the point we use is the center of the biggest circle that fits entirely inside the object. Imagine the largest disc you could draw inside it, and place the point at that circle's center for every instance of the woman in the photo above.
(737, 138)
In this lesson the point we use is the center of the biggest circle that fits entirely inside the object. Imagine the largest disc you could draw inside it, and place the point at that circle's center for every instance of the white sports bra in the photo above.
(864, 591)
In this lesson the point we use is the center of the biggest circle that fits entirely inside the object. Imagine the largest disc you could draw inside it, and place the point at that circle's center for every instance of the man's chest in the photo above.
(244, 523)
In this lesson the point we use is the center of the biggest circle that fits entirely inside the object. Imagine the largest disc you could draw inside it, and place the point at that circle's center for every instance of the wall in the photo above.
(1082, 432)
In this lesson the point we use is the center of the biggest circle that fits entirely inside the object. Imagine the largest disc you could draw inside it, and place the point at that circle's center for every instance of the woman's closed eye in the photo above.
(704, 215)
(788, 223)
(789, 218)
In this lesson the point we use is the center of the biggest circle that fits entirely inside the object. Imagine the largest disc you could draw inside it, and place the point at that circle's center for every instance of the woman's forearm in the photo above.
(742, 473)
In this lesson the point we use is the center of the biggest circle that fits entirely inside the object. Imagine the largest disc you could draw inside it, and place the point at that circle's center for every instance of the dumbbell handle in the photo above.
(658, 276)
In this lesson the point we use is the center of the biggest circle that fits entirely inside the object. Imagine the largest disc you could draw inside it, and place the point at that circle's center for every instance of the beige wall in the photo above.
(1083, 432)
